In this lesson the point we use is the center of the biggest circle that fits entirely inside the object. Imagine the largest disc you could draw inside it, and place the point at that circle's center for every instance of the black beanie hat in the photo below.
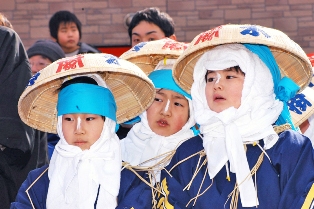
(48, 48)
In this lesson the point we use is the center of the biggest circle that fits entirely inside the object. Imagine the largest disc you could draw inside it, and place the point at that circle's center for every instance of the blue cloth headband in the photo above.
(285, 88)
(163, 79)
(86, 99)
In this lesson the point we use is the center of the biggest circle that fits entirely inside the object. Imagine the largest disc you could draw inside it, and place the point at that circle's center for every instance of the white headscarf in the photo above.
(142, 144)
(227, 131)
(75, 175)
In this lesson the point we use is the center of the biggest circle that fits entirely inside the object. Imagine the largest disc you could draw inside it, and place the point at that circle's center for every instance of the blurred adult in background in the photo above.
(19, 148)
(4, 21)
(150, 24)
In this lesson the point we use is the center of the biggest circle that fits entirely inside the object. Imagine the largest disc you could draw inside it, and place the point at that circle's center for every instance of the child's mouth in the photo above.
(218, 98)
(79, 142)
(162, 123)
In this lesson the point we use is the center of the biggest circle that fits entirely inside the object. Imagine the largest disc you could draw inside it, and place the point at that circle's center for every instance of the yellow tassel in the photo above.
(254, 143)
(228, 178)
(165, 60)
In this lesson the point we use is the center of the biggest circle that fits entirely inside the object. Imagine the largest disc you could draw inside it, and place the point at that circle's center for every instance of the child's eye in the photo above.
(136, 40)
(90, 118)
(178, 104)
(68, 119)
(210, 79)
(230, 77)
(158, 100)
(151, 39)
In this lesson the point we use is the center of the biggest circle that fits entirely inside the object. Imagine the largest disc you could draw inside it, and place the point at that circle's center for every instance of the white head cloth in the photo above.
(75, 175)
(142, 144)
(227, 131)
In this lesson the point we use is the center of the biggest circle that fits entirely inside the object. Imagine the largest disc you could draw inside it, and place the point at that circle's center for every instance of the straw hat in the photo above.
(147, 55)
(302, 105)
(132, 89)
(290, 57)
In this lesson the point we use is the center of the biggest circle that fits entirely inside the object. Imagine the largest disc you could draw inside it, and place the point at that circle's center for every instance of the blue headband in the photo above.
(163, 79)
(284, 88)
(87, 99)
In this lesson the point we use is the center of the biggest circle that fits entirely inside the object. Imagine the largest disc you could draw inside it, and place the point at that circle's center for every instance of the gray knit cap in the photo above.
(47, 48)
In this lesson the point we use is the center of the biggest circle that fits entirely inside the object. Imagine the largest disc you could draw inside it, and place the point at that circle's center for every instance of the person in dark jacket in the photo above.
(42, 53)
(66, 29)
(18, 147)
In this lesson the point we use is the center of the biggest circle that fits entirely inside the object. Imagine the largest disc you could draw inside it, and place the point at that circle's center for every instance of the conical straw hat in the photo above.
(301, 107)
(291, 59)
(147, 55)
(132, 89)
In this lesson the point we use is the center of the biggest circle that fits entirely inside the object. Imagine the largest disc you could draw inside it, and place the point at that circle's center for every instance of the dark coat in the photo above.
(86, 48)
(16, 159)
(36, 185)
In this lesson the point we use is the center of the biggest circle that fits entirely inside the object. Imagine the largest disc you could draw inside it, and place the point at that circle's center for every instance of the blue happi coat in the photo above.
(134, 193)
(283, 181)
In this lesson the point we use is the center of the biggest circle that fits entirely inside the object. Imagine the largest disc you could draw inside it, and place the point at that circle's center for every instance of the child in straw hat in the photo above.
(82, 97)
(163, 126)
(243, 76)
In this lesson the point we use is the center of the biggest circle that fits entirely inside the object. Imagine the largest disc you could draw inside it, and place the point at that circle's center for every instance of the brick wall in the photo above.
(103, 20)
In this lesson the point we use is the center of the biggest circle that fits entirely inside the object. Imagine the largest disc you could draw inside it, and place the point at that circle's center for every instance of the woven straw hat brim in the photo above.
(147, 55)
(302, 107)
(291, 59)
(132, 89)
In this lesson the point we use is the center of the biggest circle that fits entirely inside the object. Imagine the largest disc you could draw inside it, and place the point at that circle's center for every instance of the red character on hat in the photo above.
(67, 64)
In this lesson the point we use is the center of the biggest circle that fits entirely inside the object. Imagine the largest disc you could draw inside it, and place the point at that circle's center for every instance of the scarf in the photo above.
(226, 132)
(144, 147)
(142, 144)
(76, 175)
(79, 179)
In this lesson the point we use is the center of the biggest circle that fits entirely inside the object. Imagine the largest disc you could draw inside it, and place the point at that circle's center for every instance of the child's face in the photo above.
(224, 89)
(68, 37)
(168, 113)
(82, 130)
(146, 31)
(38, 62)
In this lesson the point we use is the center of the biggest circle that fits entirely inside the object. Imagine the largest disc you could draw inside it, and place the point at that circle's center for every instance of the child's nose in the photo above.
(218, 85)
(79, 129)
(166, 110)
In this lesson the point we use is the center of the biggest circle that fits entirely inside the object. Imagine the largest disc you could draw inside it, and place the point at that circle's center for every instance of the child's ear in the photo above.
(173, 37)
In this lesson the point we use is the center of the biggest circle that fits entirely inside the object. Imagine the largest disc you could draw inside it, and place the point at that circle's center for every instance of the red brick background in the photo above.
(103, 20)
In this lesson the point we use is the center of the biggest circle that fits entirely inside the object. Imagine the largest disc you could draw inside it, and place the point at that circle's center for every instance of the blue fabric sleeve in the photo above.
(293, 158)
(134, 193)
(283, 182)
(38, 191)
